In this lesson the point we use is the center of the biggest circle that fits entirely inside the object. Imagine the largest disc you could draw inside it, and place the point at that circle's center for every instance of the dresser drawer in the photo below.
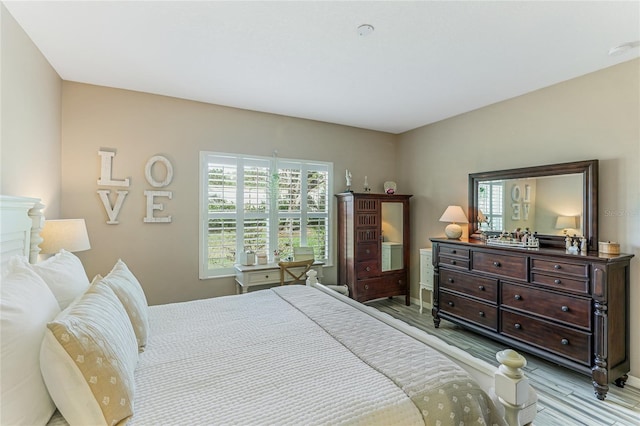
(364, 235)
(483, 288)
(454, 262)
(561, 283)
(366, 205)
(500, 264)
(453, 251)
(373, 288)
(564, 341)
(367, 251)
(561, 308)
(549, 266)
(470, 310)
(366, 219)
(368, 268)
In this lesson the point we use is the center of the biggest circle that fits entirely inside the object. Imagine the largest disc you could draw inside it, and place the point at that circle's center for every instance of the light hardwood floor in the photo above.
(564, 397)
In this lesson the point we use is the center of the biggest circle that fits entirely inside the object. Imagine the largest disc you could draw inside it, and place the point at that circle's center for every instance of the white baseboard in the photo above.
(633, 382)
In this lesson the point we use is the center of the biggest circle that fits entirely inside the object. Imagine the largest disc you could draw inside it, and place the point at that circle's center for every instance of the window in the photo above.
(261, 203)
(490, 203)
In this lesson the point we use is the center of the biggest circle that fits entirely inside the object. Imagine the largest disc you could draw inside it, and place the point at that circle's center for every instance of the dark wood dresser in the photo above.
(569, 309)
(364, 221)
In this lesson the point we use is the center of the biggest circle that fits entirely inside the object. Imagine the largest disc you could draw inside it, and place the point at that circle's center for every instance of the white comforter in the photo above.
(294, 355)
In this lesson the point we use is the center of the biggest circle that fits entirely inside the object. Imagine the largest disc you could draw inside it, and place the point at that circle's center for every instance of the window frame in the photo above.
(491, 214)
(273, 215)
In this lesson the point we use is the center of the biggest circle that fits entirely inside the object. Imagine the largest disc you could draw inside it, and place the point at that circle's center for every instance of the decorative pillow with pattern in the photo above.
(128, 289)
(88, 357)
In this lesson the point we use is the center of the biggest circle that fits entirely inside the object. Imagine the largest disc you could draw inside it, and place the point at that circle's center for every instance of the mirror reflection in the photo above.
(551, 199)
(550, 205)
(392, 231)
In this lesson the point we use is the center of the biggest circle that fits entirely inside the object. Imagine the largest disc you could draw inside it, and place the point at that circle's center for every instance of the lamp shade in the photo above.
(68, 234)
(454, 215)
(564, 222)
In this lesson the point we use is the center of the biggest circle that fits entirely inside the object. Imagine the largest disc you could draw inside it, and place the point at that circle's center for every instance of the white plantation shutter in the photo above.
(491, 202)
(261, 203)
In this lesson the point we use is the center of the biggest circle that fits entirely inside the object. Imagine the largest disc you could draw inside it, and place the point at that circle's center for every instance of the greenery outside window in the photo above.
(261, 204)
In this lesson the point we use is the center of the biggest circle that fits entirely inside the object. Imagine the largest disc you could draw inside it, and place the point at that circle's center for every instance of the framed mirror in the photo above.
(552, 200)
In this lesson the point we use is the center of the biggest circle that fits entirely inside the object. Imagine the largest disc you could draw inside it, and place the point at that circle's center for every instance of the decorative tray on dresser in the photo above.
(571, 309)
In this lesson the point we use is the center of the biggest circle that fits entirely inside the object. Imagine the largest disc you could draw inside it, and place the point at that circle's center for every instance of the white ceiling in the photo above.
(424, 62)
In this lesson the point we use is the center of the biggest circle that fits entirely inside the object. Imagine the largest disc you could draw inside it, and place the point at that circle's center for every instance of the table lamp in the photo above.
(68, 234)
(455, 215)
(566, 223)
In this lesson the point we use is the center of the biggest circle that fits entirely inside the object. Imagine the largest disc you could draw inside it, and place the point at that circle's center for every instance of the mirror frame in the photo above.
(589, 171)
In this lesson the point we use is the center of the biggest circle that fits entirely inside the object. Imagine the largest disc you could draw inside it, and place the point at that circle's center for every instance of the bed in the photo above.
(286, 355)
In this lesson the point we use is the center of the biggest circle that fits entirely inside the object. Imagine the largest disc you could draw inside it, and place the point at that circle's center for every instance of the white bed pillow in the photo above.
(88, 357)
(65, 276)
(128, 289)
(26, 306)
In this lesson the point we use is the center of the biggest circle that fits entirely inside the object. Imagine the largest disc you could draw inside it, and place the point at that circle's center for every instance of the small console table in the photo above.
(254, 275)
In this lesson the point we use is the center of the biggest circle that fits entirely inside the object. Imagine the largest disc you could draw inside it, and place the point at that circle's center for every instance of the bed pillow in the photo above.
(26, 306)
(88, 357)
(65, 276)
(128, 289)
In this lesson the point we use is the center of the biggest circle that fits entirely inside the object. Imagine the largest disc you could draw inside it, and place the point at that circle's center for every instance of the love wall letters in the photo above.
(106, 179)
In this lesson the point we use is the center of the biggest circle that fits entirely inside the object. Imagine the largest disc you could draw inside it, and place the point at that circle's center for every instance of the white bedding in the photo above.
(256, 359)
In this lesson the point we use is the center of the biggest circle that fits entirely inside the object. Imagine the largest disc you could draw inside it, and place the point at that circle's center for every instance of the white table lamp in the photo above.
(68, 234)
(454, 215)
(566, 223)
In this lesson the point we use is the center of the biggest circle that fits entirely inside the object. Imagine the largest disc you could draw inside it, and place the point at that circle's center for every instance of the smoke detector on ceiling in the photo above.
(364, 30)
(623, 48)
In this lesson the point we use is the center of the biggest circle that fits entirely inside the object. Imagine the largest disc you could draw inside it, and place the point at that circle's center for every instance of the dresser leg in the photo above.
(621, 381)
(600, 390)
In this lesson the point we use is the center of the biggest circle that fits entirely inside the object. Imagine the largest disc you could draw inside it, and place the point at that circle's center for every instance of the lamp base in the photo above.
(453, 231)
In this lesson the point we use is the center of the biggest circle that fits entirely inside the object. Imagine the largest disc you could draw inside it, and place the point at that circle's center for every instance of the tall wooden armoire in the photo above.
(373, 245)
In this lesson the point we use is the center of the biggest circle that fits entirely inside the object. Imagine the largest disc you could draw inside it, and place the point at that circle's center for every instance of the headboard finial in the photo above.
(37, 220)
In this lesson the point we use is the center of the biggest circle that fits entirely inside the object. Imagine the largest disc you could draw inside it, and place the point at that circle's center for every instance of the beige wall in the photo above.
(596, 116)
(139, 126)
(30, 119)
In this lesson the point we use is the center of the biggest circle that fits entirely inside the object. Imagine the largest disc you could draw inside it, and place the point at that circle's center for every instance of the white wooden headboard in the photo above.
(21, 221)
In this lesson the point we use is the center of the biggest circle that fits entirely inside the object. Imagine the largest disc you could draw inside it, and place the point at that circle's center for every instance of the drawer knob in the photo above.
(450, 280)
(517, 297)
(368, 251)
(557, 281)
(451, 304)
(564, 341)
(557, 267)
(453, 262)
(366, 286)
(565, 308)
(496, 264)
(481, 287)
(517, 326)
(454, 251)
(481, 314)
(368, 268)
